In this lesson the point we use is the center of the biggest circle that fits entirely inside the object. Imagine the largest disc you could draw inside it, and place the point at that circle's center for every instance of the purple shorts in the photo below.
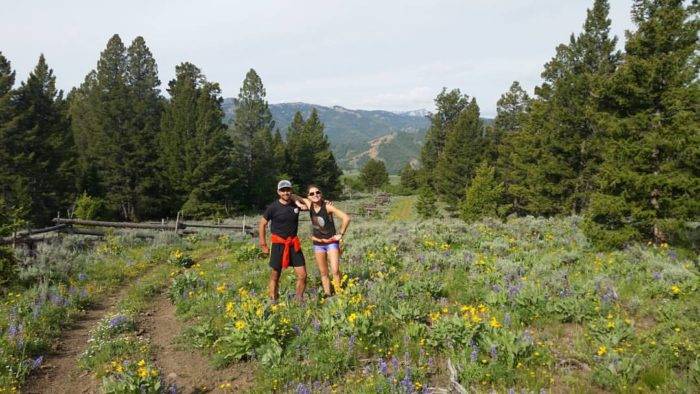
(325, 247)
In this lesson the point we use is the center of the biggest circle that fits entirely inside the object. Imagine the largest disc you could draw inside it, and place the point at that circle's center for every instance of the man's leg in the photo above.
(301, 282)
(273, 286)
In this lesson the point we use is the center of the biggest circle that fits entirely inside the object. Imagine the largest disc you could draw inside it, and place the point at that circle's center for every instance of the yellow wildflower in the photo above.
(602, 350)
(221, 288)
(240, 324)
(352, 318)
(141, 363)
(494, 323)
(143, 372)
(675, 290)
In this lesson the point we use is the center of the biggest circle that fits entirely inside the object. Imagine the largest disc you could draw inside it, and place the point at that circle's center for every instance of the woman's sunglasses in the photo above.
(316, 193)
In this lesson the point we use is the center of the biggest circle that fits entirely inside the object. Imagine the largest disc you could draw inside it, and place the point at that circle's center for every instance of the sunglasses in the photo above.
(316, 193)
(285, 189)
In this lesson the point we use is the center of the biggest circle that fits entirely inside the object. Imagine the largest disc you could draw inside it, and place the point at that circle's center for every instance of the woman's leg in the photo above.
(323, 270)
(334, 259)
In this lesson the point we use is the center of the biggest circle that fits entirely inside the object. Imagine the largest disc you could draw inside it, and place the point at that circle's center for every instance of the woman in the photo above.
(325, 239)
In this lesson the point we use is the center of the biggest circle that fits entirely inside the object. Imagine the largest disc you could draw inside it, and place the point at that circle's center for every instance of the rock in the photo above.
(172, 376)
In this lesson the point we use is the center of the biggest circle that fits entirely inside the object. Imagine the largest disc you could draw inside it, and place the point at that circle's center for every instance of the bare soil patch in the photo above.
(188, 369)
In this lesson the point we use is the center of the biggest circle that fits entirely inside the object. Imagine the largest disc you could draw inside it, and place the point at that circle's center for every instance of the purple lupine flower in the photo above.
(303, 389)
(474, 355)
(383, 367)
(394, 364)
(83, 293)
(14, 330)
(57, 299)
(656, 275)
(431, 363)
(421, 258)
(406, 382)
(496, 288)
(672, 254)
(494, 352)
(117, 321)
(82, 277)
(172, 388)
(36, 363)
(527, 337)
(351, 343)
(511, 391)
(506, 320)
(513, 291)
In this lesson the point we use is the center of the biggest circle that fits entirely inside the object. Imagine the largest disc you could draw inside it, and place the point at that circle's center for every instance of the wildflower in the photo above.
(240, 324)
(494, 323)
(221, 289)
(116, 321)
(143, 372)
(352, 318)
(675, 290)
(82, 277)
(602, 350)
(36, 363)
(383, 367)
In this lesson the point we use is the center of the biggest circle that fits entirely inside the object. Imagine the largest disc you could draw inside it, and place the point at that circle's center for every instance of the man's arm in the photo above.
(301, 202)
(262, 236)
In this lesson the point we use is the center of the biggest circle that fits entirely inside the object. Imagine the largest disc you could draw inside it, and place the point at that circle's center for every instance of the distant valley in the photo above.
(358, 135)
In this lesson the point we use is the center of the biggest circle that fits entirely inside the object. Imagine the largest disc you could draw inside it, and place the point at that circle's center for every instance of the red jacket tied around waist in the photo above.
(287, 242)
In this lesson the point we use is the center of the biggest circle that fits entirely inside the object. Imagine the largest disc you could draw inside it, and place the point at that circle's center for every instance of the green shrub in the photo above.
(8, 267)
(89, 208)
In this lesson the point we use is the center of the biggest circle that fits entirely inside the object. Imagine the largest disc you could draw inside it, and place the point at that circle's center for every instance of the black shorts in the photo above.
(296, 259)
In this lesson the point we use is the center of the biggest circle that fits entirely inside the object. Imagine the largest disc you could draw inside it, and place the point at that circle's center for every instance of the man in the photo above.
(286, 247)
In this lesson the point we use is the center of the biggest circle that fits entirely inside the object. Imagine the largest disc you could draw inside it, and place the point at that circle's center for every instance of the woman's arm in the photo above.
(332, 209)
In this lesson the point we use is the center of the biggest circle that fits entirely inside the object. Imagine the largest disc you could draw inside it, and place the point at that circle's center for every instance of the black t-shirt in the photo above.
(284, 218)
(322, 224)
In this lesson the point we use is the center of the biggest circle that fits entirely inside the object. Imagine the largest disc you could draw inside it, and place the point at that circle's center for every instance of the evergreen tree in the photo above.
(484, 195)
(146, 102)
(548, 165)
(511, 108)
(448, 105)
(648, 183)
(7, 81)
(426, 206)
(309, 156)
(465, 148)
(252, 131)
(374, 175)
(279, 149)
(82, 109)
(37, 139)
(195, 147)
(325, 170)
(409, 178)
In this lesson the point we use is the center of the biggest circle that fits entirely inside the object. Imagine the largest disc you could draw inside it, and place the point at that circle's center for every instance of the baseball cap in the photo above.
(283, 183)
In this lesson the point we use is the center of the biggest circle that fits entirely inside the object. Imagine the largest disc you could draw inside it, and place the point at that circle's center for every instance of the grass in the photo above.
(402, 209)
(525, 304)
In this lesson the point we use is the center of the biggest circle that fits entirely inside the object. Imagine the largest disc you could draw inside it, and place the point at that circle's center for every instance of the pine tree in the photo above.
(465, 148)
(556, 149)
(309, 156)
(279, 149)
(325, 170)
(374, 175)
(37, 138)
(484, 195)
(82, 109)
(195, 146)
(449, 105)
(511, 108)
(409, 178)
(7, 81)
(146, 102)
(252, 131)
(426, 206)
(648, 183)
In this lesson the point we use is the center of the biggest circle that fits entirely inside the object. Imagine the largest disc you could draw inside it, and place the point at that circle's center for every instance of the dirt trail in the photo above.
(60, 373)
(188, 369)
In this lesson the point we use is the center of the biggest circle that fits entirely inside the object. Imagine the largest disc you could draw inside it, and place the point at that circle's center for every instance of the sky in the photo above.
(381, 54)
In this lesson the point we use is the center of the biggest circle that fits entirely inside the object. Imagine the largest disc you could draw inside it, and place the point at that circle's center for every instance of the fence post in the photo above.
(243, 224)
(177, 221)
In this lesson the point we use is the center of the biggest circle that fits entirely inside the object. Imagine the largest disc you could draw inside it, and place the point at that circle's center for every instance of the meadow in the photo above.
(525, 304)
